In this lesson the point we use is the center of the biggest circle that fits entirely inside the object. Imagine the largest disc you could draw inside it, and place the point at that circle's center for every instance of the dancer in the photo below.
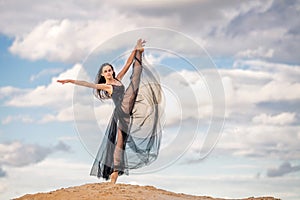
(133, 135)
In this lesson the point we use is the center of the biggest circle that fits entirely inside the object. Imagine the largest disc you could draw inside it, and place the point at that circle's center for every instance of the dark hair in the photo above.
(102, 94)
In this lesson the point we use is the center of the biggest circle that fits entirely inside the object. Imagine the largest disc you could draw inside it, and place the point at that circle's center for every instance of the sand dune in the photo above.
(110, 191)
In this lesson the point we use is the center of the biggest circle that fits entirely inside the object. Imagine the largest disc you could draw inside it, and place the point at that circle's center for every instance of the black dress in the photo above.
(136, 117)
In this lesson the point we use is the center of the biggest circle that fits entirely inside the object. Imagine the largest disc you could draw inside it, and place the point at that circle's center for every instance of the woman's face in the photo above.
(107, 72)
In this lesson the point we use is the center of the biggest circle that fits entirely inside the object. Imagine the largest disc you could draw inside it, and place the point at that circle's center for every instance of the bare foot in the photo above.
(114, 177)
(140, 45)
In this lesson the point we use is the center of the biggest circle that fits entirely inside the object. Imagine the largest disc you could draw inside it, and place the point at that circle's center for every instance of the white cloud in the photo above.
(251, 82)
(279, 71)
(2, 174)
(258, 28)
(81, 112)
(9, 91)
(71, 40)
(43, 32)
(260, 52)
(259, 141)
(19, 118)
(182, 91)
(44, 73)
(53, 95)
(18, 154)
(57, 41)
(284, 168)
(280, 119)
(277, 90)
(153, 4)
(64, 115)
(253, 129)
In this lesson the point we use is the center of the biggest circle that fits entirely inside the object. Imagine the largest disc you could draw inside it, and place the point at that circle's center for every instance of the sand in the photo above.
(108, 191)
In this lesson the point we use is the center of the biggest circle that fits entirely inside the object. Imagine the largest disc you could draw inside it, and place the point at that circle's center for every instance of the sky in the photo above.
(230, 72)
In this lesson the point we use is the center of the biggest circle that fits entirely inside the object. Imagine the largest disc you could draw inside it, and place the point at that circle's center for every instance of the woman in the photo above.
(132, 138)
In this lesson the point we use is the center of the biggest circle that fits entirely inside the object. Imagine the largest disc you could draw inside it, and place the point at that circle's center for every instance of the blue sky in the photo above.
(253, 44)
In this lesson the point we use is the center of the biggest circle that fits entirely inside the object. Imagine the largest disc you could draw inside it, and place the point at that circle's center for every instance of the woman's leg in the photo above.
(119, 148)
(124, 115)
(132, 89)
(130, 95)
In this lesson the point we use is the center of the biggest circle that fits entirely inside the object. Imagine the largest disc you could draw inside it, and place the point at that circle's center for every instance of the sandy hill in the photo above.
(108, 191)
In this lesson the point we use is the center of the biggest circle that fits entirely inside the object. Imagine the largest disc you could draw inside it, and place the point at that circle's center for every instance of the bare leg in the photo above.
(117, 155)
(131, 91)
(119, 148)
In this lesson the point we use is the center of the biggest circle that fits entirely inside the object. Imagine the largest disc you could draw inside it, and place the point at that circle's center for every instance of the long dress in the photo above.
(136, 120)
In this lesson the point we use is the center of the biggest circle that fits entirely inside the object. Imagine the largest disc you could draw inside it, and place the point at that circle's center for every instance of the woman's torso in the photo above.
(117, 93)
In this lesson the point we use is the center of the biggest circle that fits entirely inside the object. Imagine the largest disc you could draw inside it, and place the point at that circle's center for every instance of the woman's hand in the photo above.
(65, 81)
(140, 45)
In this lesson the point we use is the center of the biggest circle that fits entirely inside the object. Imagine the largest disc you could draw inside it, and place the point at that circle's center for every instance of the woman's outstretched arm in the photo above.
(139, 47)
(86, 84)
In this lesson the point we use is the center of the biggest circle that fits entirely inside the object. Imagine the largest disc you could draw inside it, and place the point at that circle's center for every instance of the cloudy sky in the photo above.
(232, 60)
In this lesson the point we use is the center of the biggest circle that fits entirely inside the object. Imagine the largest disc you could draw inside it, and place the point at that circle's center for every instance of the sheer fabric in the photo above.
(133, 135)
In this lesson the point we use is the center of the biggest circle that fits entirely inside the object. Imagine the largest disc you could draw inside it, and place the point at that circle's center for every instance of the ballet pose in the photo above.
(133, 135)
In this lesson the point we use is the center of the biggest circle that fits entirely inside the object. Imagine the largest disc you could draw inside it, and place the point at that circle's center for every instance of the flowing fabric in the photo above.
(132, 138)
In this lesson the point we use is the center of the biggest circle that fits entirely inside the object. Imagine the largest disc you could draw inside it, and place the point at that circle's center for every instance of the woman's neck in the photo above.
(112, 81)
